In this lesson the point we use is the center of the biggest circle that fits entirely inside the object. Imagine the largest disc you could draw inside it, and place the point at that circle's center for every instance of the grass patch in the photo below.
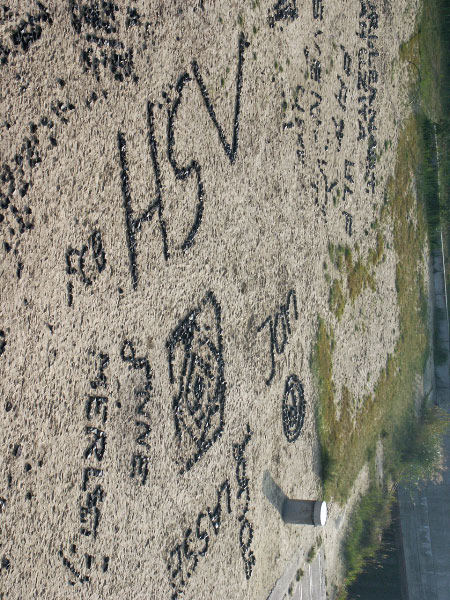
(336, 254)
(369, 518)
(375, 255)
(358, 274)
(380, 576)
(428, 177)
(337, 299)
(417, 448)
(326, 414)
(358, 278)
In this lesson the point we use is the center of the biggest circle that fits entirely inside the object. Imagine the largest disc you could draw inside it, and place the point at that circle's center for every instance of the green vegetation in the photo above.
(358, 274)
(375, 256)
(299, 574)
(380, 578)
(410, 456)
(358, 277)
(369, 519)
(417, 447)
(311, 554)
(337, 299)
(336, 254)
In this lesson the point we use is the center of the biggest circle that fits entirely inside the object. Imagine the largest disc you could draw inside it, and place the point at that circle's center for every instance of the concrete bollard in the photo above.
(304, 512)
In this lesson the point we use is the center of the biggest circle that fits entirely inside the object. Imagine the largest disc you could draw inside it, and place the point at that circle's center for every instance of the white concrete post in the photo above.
(304, 512)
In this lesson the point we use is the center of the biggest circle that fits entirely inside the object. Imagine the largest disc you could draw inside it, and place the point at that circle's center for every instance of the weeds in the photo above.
(337, 299)
(369, 518)
(376, 255)
(311, 554)
(358, 278)
(358, 274)
(418, 446)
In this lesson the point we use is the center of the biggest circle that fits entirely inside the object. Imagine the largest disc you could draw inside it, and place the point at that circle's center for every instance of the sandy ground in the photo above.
(167, 179)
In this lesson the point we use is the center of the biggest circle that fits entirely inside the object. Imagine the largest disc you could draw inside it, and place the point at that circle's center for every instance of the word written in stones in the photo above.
(96, 415)
(133, 223)
(87, 263)
(279, 327)
(243, 496)
(367, 86)
(17, 175)
(293, 408)
(196, 366)
(348, 222)
(184, 557)
(140, 461)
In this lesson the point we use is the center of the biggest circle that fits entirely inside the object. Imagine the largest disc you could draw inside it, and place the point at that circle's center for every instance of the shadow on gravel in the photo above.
(273, 492)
